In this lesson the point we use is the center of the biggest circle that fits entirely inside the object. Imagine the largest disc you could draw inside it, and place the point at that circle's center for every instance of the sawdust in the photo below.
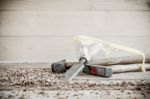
(86, 94)
(44, 78)
(41, 82)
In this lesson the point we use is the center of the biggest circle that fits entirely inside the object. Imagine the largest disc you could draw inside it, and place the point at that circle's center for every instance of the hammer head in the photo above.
(59, 67)
(103, 71)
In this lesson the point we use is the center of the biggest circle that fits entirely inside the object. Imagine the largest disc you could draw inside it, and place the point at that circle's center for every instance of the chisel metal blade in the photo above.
(74, 70)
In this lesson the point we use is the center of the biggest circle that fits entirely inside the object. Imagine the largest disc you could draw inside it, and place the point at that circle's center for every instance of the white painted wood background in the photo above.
(42, 30)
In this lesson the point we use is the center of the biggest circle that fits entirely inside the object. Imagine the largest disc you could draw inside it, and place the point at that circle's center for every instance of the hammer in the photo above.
(102, 68)
(61, 67)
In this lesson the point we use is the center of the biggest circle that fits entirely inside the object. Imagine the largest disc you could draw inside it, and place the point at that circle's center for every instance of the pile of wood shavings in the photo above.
(44, 78)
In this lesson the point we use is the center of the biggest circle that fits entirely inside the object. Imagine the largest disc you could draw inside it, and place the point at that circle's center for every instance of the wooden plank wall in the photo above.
(42, 30)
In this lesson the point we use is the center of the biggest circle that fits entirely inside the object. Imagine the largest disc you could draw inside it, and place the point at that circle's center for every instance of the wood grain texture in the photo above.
(73, 5)
(97, 23)
(55, 48)
(41, 30)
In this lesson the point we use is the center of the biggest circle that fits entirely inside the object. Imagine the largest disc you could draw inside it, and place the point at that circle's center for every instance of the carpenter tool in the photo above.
(103, 71)
(75, 69)
(61, 67)
(98, 70)
(90, 47)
